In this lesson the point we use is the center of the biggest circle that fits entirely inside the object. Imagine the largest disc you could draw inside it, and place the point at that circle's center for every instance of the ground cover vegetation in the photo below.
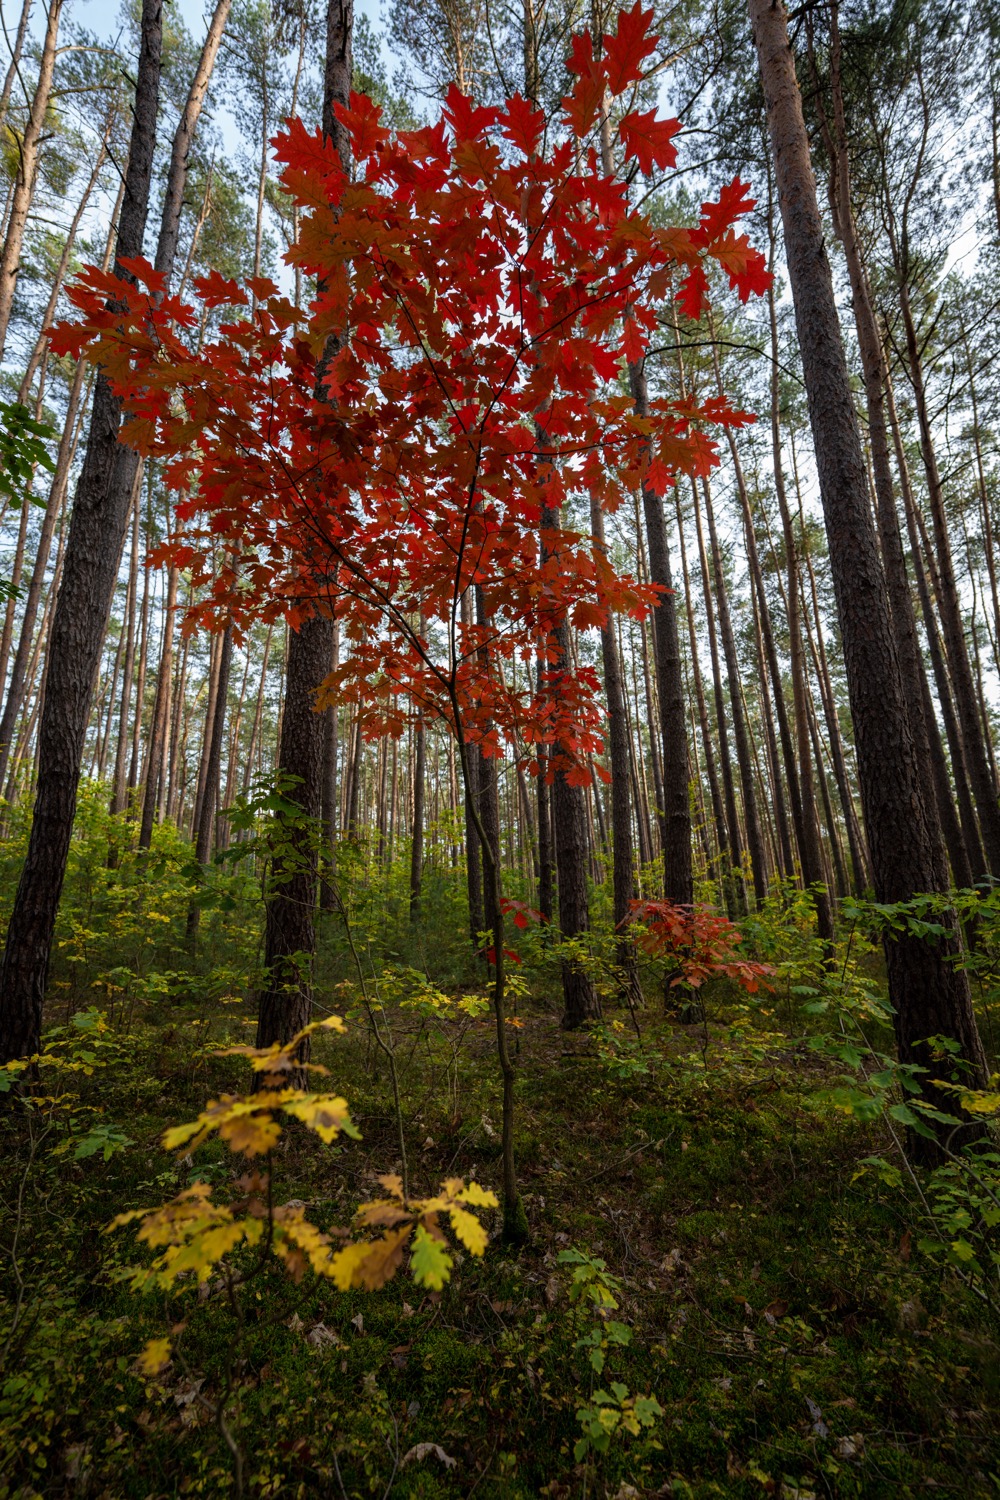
(500, 820)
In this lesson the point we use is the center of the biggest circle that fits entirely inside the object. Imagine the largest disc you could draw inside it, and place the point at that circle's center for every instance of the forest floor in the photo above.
(799, 1341)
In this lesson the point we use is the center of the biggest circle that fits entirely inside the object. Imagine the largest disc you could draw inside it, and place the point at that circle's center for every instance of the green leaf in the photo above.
(430, 1262)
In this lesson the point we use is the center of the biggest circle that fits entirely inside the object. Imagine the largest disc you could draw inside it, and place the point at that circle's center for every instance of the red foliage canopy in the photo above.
(483, 283)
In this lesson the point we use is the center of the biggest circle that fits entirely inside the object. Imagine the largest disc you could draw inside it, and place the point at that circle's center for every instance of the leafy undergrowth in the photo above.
(793, 1336)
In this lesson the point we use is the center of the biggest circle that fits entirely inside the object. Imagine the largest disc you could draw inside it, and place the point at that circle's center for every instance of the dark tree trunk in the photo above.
(569, 830)
(289, 939)
(90, 571)
(676, 819)
(623, 859)
(290, 932)
(875, 378)
(417, 831)
(329, 793)
(545, 879)
(929, 994)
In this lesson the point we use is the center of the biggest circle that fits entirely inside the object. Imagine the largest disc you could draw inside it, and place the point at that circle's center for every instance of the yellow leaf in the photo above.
(324, 1113)
(179, 1135)
(479, 1197)
(469, 1230)
(384, 1211)
(369, 1263)
(254, 1135)
(155, 1357)
(981, 1102)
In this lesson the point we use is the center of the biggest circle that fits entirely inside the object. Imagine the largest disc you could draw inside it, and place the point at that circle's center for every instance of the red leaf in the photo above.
(694, 289)
(624, 53)
(584, 104)
(215, 291)
(717, 217)
(649, 140)
(523, 124)
(633, 341)
(139, 267)
(468, 122)
(361, 121)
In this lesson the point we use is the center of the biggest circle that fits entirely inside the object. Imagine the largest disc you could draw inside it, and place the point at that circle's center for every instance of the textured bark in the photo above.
(676, 819)
(875, 377)
(215, 727)
(285, 1001)
(290, 937)
(27, 170)
(930, 996)
(90, 571)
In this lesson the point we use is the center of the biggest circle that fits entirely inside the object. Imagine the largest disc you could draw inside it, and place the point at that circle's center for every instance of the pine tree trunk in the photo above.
(290, 938)
(929, 994)
(807, 830)
(27, 169)
(676, 822)
(417, 829)
(623, 860)
(90, 570)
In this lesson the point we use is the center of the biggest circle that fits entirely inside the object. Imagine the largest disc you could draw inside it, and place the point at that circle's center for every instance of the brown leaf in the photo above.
(905, 1240)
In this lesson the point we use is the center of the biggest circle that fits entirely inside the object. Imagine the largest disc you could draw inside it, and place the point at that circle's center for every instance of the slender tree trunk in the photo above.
(624, 888)
(950, 610)
(875, 376)
(929, 994)
(676, 821)
(28, 146)
(160, 727)
(580, 1001)
(714, 790)
(965, 850)
(17, 52)
(810, 855)
(90, 570)
(546, 904)
(417, 829)
(118, 797)
(736, 900)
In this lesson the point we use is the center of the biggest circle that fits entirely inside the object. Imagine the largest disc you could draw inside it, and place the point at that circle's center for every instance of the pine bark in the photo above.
(290, 936)
(90, 571)
(676, 819)
(929, 994)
